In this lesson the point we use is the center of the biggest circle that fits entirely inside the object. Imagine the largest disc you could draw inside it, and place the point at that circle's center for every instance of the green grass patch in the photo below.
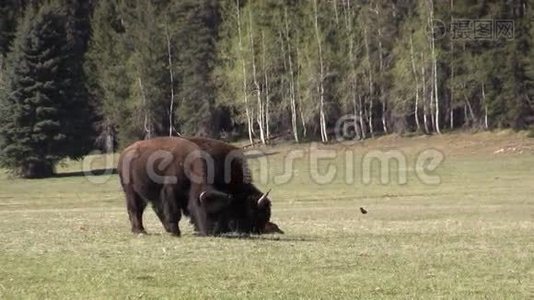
(471, 236)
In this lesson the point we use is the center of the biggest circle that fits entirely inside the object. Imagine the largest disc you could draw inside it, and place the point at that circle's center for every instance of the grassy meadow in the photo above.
(470, 236)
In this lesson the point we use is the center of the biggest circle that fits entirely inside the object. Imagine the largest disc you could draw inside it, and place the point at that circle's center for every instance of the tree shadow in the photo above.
(96, 172)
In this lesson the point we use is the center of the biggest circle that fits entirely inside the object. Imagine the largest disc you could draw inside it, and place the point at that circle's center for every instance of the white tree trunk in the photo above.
(371, 90)
(485, 107)
(259, 115)
(416, 79)
(322, 118)
(451, 117)
(471, 112)
(334, 3)
(432, 106)
(360, 134)
(298, 97)
(425, 105)
(435, 69)
(245, 96)
(381, 68)
(361, 117)
(171, 75)
(147, 124)
(265, 109)
(451, 105)
(466, 116)
(291, 81)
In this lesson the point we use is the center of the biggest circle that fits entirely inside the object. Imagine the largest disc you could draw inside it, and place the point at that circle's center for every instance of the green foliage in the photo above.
(43, 114)
(148, 68)
(131, 75)
(147, 65)
(197, 33)
(108, 76)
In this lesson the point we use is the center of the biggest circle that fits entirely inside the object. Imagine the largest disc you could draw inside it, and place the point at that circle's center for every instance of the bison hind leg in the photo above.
(159, 210)
(135, 206)
(168, 211)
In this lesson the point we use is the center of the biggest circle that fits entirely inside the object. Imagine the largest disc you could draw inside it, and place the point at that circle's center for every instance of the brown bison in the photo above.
(170, 173)
(177, 175)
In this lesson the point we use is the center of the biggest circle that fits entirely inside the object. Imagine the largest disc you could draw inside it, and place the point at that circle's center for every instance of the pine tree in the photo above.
(196, 60)
(80, 132)
(40, 115)
(9, 10)
(108, 78)
(509, 101)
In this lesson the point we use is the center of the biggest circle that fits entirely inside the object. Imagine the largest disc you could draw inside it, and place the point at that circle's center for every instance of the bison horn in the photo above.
(202, 196)
(263, 197)
(212, 193)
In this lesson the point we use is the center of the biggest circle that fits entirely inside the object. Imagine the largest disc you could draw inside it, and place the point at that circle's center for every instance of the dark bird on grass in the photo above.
(363, 211)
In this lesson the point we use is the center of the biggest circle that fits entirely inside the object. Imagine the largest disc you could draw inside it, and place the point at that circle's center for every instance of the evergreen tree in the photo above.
(41, 113)
(80, 132)
(196, 59)
(9, 12)
(280, 67)
(108, 78)
(509, 102)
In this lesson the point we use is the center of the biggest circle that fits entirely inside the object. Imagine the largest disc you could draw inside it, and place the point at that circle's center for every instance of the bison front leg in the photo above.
(135, 206)
(169, 212)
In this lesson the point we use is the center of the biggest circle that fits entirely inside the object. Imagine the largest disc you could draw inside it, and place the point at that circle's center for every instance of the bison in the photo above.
(178, 175)
(169, 173)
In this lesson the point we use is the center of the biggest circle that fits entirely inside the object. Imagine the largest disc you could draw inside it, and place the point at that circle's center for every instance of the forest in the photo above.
(80, 75)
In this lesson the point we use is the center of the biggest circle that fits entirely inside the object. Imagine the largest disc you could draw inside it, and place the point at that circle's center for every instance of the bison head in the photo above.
(260, 214)
(248, 212)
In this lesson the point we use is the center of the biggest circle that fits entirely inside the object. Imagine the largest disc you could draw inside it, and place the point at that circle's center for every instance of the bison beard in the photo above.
(178, 175)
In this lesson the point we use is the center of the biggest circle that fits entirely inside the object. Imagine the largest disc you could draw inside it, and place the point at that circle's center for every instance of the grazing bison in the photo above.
(172, 175)
(250, 210)
(206, 179)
